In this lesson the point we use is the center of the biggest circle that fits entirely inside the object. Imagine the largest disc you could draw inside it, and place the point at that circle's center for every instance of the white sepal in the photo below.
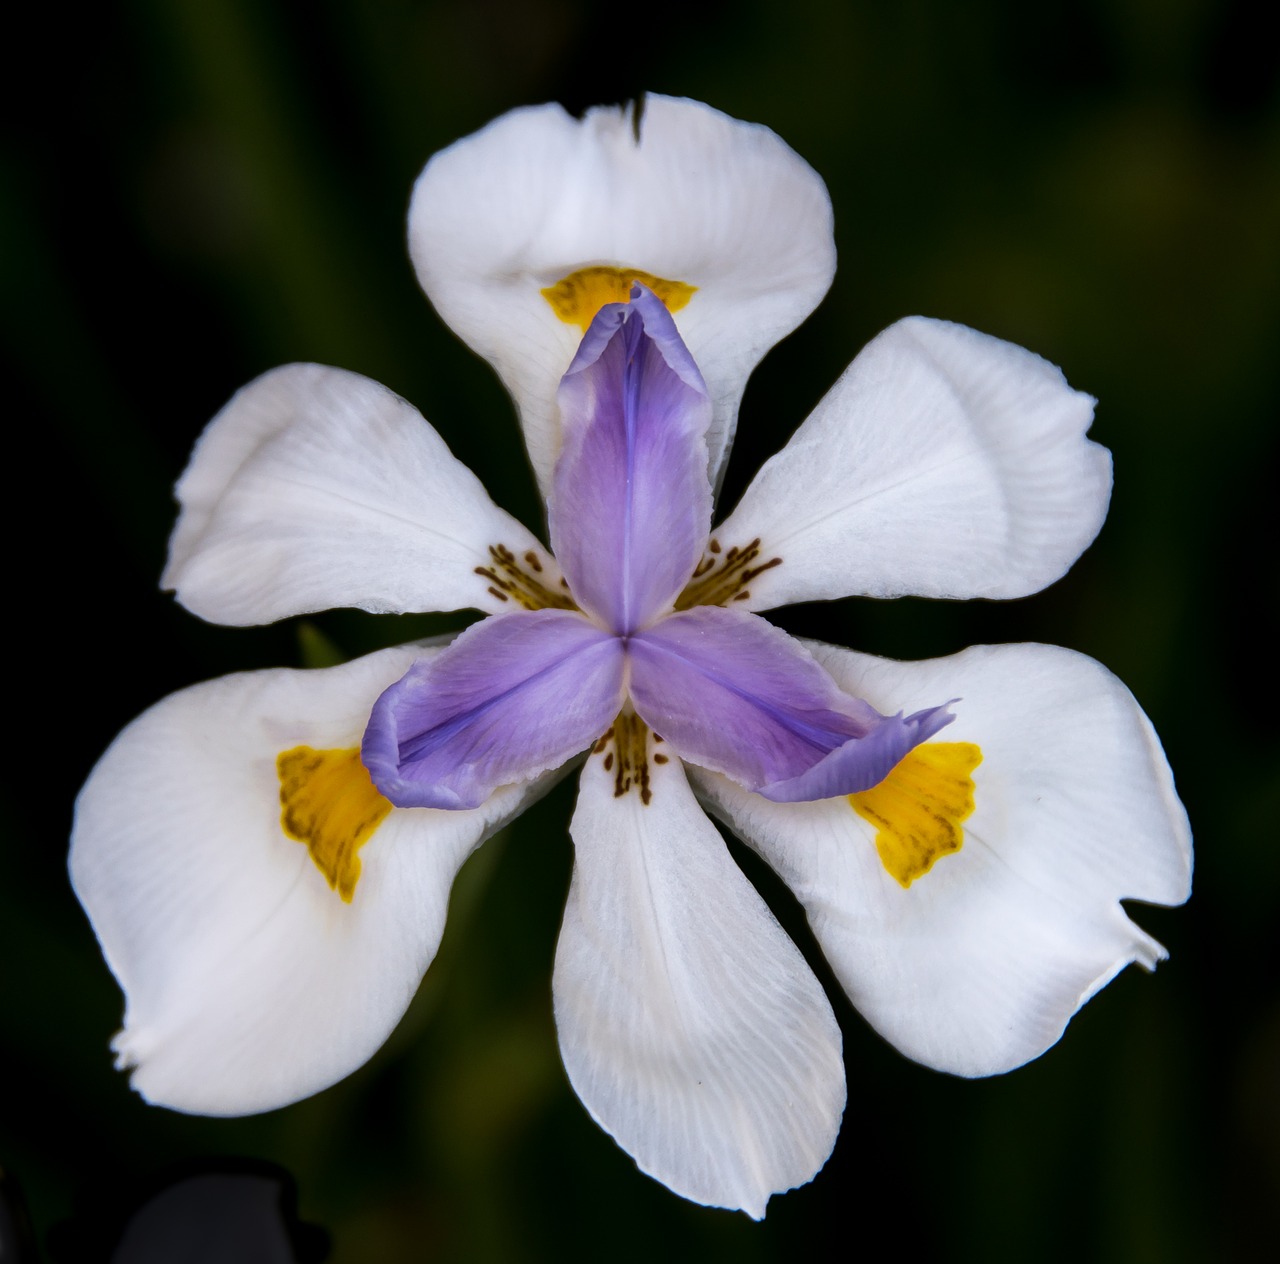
(943, 463)
(696, 197)
(315, 488)
(979, 964)
(689, 1024)
(248, 982)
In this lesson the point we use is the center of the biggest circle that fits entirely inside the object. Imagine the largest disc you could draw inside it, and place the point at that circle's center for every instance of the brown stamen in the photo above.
(513, 579)
(722, 577)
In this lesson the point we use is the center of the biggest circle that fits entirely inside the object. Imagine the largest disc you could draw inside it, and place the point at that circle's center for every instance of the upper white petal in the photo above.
(315, 488)
(978, 965)
(248, 982)
(943, 463)
(689, 1023)
(698, 197)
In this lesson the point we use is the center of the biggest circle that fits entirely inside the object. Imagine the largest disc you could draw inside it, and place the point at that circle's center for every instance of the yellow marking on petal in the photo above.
(917, 809)
(329, 802)
(578, 297)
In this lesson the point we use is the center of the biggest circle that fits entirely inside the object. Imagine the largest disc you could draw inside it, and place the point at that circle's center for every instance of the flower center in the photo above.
(918, 808)
(329, 803)
(577, 298)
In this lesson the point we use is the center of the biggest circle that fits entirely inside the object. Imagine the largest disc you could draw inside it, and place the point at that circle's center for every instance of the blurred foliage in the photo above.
(191, 193)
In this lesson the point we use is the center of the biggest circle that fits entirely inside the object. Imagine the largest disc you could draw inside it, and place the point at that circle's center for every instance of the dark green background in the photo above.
(194, 192)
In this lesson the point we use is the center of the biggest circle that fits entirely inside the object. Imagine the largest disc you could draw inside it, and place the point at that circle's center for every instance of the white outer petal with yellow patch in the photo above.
(316, 488)
(690, 1025)
(700, 198)
(943, 463)
(977, 967)
(248, 982)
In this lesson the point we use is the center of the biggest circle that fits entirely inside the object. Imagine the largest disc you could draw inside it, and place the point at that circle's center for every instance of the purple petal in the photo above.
(630, 507)
(732, 693)
(513, 696)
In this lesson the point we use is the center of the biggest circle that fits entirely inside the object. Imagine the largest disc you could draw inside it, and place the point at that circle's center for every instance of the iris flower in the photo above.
(267, 858)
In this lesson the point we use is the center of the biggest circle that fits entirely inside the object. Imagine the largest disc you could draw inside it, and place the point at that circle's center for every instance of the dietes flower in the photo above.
(266, 858)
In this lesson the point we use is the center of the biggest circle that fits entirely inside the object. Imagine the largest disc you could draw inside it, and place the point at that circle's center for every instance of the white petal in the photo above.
(978, 965)
(316, 488)
(689, 1023)
(699, 198)
(248, 982)
(943, 463)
